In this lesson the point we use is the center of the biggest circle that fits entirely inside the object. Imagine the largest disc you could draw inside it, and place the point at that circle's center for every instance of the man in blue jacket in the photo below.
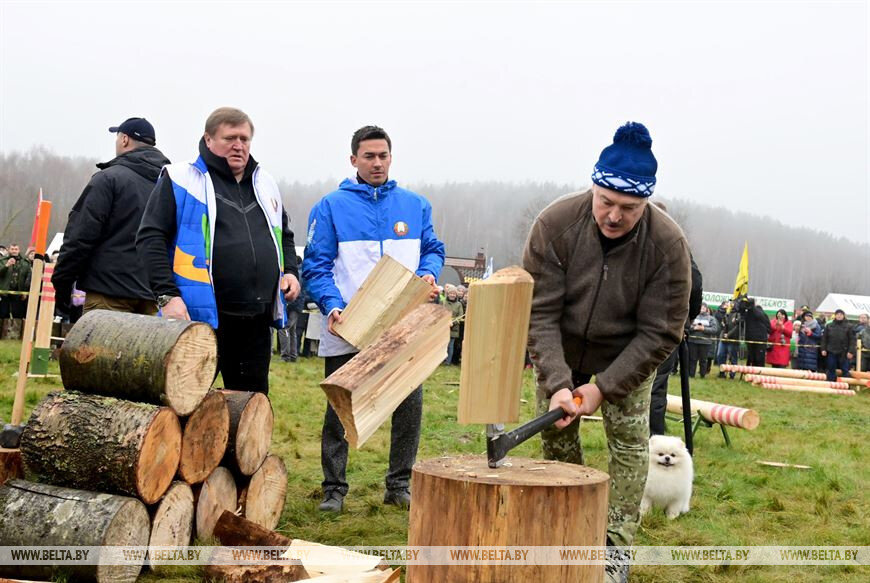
(348, 232)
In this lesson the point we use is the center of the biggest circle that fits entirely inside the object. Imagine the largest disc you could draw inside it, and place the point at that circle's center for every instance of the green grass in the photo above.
(735, 501)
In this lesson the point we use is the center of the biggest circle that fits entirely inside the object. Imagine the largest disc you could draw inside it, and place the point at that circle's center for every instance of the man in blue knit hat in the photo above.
(612, 282)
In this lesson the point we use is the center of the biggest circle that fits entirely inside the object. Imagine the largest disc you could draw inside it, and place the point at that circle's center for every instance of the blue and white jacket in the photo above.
(348, 232)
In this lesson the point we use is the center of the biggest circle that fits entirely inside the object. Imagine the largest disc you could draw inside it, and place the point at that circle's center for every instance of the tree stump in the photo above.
(216, 494)
(172, 518)
(262, 500)
(140, 358)
(42, 515)
(460, 501)
(101, 443)
(204, 438)
(251, 421)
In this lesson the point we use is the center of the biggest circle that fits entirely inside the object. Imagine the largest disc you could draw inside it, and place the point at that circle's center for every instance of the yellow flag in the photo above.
(741, 284)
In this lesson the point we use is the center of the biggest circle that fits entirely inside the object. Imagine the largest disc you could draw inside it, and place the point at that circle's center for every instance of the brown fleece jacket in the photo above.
(616, 316)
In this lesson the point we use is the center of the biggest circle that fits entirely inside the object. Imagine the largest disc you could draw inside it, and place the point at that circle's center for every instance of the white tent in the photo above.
(854, 306)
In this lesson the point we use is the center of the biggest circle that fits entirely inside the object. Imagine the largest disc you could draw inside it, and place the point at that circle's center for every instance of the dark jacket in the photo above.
(244, 272)
(839, 337)
(757, 324)
(617, 314)
(99, 242)
(808, 342)
(15, 277)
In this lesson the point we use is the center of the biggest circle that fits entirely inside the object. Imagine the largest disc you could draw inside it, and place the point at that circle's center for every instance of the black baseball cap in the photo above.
(138, 128)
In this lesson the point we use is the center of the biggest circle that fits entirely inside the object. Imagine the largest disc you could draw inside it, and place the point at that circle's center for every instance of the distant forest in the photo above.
(494, 217)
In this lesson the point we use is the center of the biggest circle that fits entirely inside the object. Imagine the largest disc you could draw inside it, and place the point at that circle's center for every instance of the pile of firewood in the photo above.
(137, 450)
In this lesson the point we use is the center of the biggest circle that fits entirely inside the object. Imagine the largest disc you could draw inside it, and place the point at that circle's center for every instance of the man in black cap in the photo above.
(99, 243)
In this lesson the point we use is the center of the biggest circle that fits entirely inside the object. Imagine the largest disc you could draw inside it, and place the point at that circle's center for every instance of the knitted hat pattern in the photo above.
(628, 164)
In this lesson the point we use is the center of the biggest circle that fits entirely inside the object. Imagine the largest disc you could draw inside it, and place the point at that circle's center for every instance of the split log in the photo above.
(235, 531)
(101, 443)
(42, 515)
(172, 518)
(387, 295)
(366, 390)
(204, 438)
(782, 465)
(773, 372)
(760, 379)
(11, 465)
(216, 494)
(262, 500)
(391, 576)
(800, 389)
(494, 348)
(460, 501)
(716, 413)
(140, 358)
(251, 421)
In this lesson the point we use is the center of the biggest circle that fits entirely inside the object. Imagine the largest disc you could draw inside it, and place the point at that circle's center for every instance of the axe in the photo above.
(499, 443)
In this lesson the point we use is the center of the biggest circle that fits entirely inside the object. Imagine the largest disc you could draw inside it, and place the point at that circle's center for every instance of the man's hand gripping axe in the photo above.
(499, 443)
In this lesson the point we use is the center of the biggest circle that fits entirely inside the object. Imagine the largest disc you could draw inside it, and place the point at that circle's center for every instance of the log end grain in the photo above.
(751, 419)
(204, 439)
(216, 494)
(515, 471)
(266, 492)
(159, 456)
(191, 368)
(172, 524)
(254, 435)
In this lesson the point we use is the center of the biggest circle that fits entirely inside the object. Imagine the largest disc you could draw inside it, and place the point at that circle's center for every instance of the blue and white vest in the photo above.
(191, 251)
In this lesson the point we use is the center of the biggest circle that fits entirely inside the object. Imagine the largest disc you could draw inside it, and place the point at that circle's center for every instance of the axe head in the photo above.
(10, 437)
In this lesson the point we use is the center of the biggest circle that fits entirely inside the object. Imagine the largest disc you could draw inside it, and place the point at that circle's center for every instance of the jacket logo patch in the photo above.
(311, 231)
(400, 228)
(274, 205)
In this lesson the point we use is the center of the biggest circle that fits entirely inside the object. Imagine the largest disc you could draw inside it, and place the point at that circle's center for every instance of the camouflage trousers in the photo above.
(626, 425)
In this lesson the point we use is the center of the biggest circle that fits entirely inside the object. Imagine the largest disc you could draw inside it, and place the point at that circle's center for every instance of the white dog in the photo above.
(669, 481)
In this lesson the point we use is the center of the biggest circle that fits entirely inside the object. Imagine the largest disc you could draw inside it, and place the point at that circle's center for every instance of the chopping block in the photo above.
(460, 501)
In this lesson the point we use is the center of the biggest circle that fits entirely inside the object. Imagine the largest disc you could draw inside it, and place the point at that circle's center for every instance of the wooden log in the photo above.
(859, 375)
(46, 309)
(11, 465)
(216, 494)
(251, 421)
(101, 443)
(800, 389)
(716, 413)
(366, 390)
(262, 499)
(172, 518)
(460, 501)
(773, 372)
(854, 382)
(387, 295)
(204, 438)
(281, 573)
(140, 358)
(760, 379)
(494, 348)
(43, 515)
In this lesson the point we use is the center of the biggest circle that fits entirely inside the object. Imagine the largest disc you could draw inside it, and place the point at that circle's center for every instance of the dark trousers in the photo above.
(698, 356)
(244, 351)
(835, 361)
(755, 354)
(404, 439)
(287, 346)
(658, 404)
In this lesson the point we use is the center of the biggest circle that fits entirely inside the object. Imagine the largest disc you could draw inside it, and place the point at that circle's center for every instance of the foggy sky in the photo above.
(758, 106)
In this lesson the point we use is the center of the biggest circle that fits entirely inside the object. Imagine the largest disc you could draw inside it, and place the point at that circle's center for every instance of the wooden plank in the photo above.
(782, 465)
(389, 293)
(366, 390)
(494, 348)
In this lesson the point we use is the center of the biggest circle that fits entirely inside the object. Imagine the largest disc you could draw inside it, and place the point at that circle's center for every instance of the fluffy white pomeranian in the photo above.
(669, 481)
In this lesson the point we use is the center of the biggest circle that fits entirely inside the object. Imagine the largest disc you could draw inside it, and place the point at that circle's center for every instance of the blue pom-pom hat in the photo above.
(628, 164)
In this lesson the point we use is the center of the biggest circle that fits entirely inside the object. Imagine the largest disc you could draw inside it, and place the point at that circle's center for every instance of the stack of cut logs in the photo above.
(800, 381)
(137, 450)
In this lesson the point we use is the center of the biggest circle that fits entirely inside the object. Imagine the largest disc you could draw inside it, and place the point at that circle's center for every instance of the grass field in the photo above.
(735, 501)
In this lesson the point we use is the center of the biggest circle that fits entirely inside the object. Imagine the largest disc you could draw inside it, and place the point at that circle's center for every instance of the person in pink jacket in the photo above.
(778, 352)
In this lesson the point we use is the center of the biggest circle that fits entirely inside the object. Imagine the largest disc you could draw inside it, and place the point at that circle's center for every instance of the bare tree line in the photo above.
(785, 261)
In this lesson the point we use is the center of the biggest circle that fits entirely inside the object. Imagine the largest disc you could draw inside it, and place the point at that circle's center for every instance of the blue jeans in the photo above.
(450, 346)
(727, 352)
(836, 361)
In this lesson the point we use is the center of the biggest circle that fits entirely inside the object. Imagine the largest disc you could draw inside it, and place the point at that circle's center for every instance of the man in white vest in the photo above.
(231, 259)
